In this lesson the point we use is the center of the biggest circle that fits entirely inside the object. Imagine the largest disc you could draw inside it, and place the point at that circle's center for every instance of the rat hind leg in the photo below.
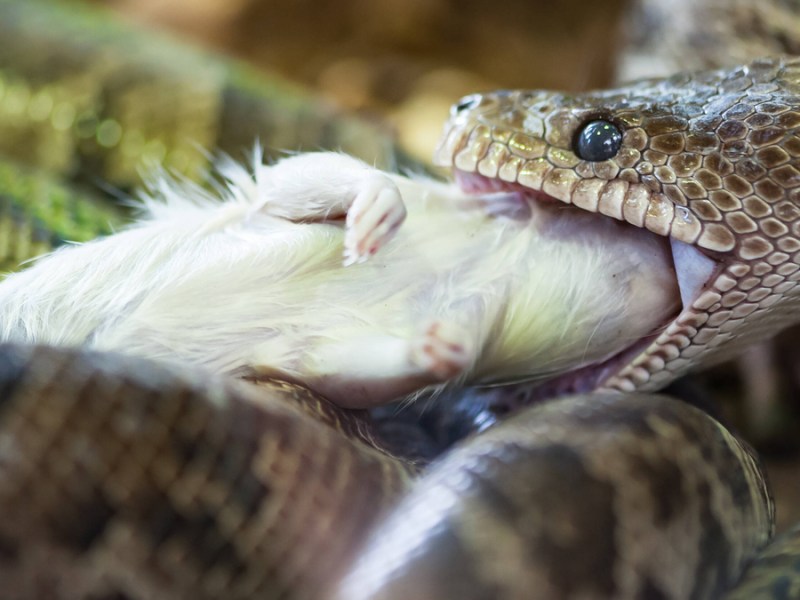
(443, 349)
(359, 371)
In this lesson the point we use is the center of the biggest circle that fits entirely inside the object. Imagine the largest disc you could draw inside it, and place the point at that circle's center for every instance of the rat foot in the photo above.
(373, 218)
(444, 350)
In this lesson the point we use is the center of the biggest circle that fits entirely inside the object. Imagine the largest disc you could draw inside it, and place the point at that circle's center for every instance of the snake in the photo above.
(122, 478)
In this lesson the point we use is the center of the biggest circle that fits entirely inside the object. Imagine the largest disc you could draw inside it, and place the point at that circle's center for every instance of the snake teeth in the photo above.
(693, 269)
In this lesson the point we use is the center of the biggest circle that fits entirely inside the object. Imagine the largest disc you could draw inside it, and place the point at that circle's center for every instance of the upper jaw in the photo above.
(477, 148)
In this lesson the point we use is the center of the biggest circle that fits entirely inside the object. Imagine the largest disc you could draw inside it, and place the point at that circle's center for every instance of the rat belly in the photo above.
(592, 287)
(481, 289)
(521, 296)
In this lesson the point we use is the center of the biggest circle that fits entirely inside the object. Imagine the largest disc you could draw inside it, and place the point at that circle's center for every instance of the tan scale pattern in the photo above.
(69, 403)
(710, 159)
(775, 571)
(119, 478)
(498, 517)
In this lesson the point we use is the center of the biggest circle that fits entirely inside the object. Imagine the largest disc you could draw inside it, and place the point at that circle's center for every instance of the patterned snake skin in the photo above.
(124, 479)
(708, 159)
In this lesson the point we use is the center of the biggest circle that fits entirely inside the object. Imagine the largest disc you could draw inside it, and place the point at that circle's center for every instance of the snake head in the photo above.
(708, 160)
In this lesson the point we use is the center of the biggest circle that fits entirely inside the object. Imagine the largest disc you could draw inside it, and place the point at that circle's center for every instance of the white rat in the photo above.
(362, 285)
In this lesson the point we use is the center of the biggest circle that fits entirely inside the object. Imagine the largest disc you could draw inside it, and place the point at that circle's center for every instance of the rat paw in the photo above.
(373, 218)
(444, 350)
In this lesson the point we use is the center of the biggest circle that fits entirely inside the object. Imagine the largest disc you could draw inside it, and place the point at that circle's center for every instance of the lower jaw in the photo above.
(587, 378)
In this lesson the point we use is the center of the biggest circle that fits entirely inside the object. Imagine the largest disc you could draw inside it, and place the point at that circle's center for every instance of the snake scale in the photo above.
(120, 478)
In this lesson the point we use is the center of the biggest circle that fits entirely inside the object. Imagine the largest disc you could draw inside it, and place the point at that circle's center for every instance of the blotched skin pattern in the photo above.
(136, 482)
(667, 37)
(95, 99)
(776, 572)
(515, 507)
(709, 159)
(120, 478)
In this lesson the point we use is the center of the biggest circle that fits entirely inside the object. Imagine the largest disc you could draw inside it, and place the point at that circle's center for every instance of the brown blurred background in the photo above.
(404, 60)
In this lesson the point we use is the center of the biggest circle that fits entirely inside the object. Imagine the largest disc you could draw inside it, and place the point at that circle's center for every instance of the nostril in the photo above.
(466, 103)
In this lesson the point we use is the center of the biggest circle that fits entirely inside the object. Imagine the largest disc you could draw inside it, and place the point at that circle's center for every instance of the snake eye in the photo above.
(598, 140)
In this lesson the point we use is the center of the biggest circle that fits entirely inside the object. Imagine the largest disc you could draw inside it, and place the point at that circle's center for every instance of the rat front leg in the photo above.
(323, 186)
(356, 369)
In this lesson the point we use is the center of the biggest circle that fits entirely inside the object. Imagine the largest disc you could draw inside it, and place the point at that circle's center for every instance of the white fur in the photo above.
(255, 283)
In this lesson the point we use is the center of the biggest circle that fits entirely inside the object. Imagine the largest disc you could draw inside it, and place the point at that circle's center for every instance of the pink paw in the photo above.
(444, 350)
(374, 217)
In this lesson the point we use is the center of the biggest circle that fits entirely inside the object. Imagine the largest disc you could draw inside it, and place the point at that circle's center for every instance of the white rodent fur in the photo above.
(468, 289)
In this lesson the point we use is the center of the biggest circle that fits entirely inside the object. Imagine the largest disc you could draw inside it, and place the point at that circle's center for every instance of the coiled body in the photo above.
(120, 478)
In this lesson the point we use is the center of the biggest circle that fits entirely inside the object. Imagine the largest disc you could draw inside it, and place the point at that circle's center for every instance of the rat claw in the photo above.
(444, 350)
(373, 219)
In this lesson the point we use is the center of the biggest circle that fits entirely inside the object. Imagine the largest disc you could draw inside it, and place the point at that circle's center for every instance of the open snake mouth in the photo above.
(632, 364)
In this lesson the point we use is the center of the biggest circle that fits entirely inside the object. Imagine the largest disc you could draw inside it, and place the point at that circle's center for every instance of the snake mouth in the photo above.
(691, 271)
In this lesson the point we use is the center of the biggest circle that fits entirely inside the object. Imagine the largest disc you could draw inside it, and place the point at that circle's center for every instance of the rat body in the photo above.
(363, 285)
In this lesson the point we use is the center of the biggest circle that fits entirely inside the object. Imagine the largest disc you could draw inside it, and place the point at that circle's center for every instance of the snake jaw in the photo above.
(707, 159)
(636, 366)
(470, 149)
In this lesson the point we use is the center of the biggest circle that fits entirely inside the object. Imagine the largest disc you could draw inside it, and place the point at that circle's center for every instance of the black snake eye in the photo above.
(598, 140)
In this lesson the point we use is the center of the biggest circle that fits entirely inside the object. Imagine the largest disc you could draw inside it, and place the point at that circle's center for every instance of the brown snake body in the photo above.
(121, 479)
